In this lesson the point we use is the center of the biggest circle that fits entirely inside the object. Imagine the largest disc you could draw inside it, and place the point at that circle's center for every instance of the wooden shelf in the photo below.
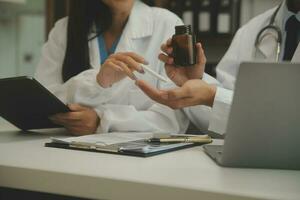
(55, 9)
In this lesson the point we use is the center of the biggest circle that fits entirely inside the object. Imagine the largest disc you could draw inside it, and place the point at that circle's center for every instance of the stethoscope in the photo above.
(260, 36)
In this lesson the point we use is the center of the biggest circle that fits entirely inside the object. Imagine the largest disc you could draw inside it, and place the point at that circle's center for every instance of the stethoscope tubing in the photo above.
(271, 26)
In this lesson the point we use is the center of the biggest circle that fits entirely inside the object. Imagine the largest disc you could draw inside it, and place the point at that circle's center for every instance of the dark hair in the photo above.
(82, 17)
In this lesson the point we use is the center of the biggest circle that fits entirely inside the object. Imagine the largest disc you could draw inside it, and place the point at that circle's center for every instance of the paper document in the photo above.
(105, 138)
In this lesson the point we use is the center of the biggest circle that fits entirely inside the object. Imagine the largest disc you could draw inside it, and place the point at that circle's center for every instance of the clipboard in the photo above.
(126, 148)
(102, 143)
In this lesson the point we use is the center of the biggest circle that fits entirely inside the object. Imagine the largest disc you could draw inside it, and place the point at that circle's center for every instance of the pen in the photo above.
(180, 140)
(153, 73)
(187, 135)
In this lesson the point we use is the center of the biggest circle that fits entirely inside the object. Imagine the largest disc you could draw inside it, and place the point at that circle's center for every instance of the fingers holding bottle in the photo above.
(194, 71)
(201, 57)
(167, 47)
(197, 71)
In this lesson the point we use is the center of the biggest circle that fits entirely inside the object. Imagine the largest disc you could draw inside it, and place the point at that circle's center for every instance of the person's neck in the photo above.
(118, 23)
(293, 5)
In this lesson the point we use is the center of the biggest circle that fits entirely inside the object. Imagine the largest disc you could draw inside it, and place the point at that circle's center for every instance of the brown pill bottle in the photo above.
(184, 46)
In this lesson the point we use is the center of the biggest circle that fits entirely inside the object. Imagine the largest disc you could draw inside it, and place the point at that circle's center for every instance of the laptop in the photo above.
(263, 129)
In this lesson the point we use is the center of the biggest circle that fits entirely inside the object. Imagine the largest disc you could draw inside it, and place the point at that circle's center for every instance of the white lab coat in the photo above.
(123, 107)
(242, 49)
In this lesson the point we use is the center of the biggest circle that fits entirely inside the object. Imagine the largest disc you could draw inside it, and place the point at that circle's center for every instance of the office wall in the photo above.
(21, 36)
(22, 33)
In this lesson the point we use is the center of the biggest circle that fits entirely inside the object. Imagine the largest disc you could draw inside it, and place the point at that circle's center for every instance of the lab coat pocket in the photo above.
(139, 100)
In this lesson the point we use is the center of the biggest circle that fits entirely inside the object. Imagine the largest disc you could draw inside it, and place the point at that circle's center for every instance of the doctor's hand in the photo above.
(81, 121)
(191, 93)
(118, 66)
(178, 74)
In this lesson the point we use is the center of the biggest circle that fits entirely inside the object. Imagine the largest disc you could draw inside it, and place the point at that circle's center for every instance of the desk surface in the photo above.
(187, 174)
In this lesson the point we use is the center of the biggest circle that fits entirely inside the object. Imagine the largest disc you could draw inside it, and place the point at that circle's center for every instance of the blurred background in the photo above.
(24, 26)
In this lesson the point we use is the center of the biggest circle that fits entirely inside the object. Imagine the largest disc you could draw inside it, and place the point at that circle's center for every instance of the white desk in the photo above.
(187, 174)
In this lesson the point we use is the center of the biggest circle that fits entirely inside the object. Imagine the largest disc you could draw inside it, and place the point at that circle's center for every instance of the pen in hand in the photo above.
(153, 73)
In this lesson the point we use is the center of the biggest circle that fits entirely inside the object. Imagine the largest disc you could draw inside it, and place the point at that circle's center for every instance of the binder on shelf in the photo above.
(209, 17)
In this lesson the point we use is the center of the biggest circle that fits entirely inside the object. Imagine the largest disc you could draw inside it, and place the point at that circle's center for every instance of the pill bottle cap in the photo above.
(185, 29)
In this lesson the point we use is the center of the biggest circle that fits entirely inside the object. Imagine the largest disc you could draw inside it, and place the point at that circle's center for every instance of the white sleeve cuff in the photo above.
(209, 79)
(103, 125)
(221, 110)
(199, 116)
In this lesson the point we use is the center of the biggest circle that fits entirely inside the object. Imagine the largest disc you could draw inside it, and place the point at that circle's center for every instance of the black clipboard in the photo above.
(27, 104)
(117, 148)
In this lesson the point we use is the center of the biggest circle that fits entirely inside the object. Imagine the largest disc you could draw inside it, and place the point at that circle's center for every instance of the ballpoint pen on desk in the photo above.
(182, 139)
(153, 73)
(188, 135)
